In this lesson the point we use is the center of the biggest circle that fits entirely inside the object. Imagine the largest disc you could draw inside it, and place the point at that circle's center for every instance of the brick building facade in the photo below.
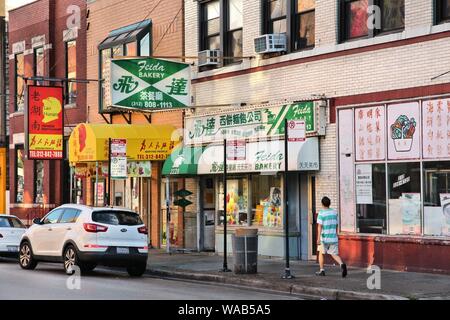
(350, 68)
(164, 24)
(38, 36)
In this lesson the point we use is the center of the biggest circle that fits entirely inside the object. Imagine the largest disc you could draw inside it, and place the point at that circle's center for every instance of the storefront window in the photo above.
(404, 198)
(173, 222)
(371, 198)
(266, 201)
(237, 202)
(437, 198)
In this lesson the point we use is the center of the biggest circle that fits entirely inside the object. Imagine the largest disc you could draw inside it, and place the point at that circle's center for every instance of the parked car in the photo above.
(86, 237)
(11, 231)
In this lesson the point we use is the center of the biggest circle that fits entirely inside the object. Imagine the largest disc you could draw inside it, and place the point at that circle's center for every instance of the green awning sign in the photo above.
(149, 84)
(182, 161)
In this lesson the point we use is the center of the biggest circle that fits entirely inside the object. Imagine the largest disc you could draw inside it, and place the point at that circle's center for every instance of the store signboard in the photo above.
(436, 129)
(264, 156)
(100, 187)
(296, 131)
(45, 129)
(404, 131)
(118, 159)
(139, 169)
(149, 84)
(364, 186)
(370, 133)
(252, 123)
(236, 150)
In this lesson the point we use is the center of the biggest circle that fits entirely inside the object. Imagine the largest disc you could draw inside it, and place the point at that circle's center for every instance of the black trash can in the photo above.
(245, 251)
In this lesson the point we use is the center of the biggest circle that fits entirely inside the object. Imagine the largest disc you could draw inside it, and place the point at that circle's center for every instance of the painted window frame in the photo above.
(68, 100)
(16, 83)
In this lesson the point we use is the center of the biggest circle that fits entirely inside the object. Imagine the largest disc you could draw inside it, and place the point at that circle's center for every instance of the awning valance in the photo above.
(90, 142)
(182, 161)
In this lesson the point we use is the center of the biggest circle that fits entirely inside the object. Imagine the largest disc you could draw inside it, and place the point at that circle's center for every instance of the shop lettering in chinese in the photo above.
(45, 123)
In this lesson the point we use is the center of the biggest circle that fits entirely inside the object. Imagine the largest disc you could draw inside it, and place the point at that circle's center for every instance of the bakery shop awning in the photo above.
(183, 161)
(146, 142)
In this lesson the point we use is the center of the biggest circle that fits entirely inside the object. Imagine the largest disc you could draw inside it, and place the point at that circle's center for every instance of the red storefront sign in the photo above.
(45, 123)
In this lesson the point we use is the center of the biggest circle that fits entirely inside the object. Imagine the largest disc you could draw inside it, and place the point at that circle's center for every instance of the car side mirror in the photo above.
(37, 221)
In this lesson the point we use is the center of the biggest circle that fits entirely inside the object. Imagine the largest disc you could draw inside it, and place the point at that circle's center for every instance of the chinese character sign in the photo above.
(370, 129)
(150, 84)
(436, 128)
(404, 133)
(45, 122)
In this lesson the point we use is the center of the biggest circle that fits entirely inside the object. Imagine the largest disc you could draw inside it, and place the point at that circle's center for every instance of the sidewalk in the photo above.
(394, 285)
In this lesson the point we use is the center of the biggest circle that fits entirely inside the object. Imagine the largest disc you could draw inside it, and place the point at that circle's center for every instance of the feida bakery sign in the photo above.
(254, 123)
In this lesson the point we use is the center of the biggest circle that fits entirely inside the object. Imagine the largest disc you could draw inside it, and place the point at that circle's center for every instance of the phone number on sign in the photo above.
(46, 154)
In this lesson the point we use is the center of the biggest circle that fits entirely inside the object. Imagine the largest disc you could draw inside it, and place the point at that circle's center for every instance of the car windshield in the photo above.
(116, 218)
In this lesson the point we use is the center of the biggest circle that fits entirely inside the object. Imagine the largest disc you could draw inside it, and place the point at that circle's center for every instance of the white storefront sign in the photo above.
(436, 129)
(364, 189)
(264, 156)
(370, 132)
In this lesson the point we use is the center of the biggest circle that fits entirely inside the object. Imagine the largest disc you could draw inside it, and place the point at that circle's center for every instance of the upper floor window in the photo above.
(71, 71)
(211, 25)
(39, 63)
(133, 40)
(295, 18)
(442, 11)
(355, 18)
(19, 69)
(234, 33)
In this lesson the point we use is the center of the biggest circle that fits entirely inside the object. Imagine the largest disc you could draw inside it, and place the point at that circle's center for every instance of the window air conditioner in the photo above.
(208, 58)
(270, 43)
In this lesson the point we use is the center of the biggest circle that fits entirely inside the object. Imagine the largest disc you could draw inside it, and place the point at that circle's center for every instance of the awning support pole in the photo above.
(96, 183)
(167, 215)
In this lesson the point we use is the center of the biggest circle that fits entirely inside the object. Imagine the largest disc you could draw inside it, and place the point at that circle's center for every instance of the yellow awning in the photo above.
(90, 142)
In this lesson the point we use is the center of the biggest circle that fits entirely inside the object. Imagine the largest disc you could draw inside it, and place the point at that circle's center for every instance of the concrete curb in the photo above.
(334, 294)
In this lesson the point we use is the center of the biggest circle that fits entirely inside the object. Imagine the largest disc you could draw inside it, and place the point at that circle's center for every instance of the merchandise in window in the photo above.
(237, 202)
(404, 198)
(20, 176)
(371, 198)
(267, 201)
(305, 24)
(436, 177)
(20, 83)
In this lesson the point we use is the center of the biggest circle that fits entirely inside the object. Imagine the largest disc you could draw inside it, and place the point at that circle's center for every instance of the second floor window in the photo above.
(211, 25)
(71, 71)
(39, 63)
(295, 18)
(442, 11)
(19, 82)
(355, 18)
(234, 34)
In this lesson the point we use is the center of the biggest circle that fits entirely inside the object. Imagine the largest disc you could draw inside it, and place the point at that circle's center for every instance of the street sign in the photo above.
(149, 84)
(119, 159)
(182, 203)
(183, 193)
(296, 131)
(236, 150)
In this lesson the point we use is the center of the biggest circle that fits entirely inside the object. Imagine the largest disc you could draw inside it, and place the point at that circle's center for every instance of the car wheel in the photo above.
(137, 270)
(70, 260)
(26, 259)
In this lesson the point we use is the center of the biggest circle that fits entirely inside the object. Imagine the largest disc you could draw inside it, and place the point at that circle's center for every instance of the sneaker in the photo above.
(320, 273)
(344, 270)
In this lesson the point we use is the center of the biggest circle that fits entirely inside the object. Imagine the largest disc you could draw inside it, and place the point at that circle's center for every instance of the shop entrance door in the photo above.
(209, 213)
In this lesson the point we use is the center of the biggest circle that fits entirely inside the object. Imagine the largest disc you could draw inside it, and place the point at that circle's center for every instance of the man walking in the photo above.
(327, 236)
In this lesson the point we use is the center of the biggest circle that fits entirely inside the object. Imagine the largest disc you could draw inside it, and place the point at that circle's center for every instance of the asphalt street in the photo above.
(50, 282)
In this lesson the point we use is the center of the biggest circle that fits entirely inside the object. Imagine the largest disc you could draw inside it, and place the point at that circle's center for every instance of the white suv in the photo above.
(85, 236)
